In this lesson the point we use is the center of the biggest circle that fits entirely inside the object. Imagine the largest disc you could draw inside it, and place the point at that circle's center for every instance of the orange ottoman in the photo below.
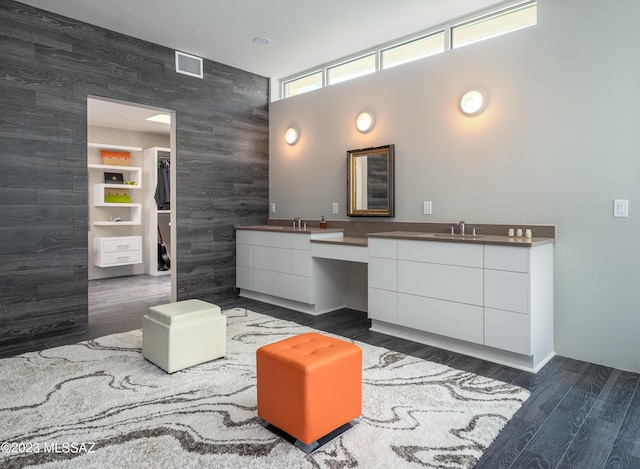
(309, 385)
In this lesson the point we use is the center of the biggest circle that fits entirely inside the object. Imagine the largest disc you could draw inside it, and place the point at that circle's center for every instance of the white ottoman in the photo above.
(183, 334)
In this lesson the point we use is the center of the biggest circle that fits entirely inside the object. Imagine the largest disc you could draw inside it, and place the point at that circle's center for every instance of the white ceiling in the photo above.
(304, 34)
(132, 118)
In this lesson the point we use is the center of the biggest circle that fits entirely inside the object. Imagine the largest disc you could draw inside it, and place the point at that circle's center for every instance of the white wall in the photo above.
(556, 144)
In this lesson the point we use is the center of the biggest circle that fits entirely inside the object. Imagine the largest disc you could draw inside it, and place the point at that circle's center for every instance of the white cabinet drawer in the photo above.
(121, 243)
(301, 289)
(383, 305)
(446, 282)
(383, 273)
(301, 263)
(301, 241)
(120, 258)
(270, 258)
(515, 259)
(506, 290)
(468, 255)
(243, 277)
(264, 238)
(270, 283)
(243, 255)
(446, 318)
(508, 331)
(118, 250)
(386, 248)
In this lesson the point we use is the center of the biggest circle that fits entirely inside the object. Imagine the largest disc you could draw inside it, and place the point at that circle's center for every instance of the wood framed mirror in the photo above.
(370, 182)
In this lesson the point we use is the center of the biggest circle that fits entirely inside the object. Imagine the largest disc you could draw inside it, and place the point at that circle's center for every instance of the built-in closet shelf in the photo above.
(108, 146)
(133, 173)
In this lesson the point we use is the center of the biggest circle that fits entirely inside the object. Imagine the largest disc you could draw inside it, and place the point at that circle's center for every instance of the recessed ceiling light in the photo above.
(162, 118)
(261, 40)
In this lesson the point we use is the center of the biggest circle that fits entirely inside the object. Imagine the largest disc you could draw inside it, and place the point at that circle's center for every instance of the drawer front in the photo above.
(445, 282)
(269, 258)
(507, 331)
(119, 244)
(243, 255)
(506, 258)
(385, 248)
(301, 289)
(243, 277)
(244, 237)
(467, 255)
(383, 305)
(383, 273)
(301, 241)
(264, 238)
(506, 290)
(121, 258)
(271, 283)
(457, 320)
(301, 263)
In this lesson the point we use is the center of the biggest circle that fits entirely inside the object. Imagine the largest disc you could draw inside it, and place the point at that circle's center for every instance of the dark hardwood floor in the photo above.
(579, 416)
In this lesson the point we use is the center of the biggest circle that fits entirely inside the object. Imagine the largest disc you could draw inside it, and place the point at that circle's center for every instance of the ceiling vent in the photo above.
(188, 64)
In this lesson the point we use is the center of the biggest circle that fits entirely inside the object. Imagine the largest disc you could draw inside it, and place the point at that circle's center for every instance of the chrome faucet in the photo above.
(461, 223)
(297, 222)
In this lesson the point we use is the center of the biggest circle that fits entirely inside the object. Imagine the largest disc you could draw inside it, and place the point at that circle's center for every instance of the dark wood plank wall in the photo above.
(48, 66)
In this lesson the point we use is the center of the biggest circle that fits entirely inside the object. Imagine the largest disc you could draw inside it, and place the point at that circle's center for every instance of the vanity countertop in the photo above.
(480, 239)
(337, 239)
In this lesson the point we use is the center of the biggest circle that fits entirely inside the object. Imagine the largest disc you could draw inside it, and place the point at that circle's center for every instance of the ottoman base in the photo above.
(314, 445)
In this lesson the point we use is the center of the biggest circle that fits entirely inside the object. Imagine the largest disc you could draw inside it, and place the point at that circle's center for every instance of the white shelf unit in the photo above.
(130, 213)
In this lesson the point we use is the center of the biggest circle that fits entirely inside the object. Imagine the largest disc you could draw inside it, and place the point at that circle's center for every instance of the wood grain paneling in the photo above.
(50, 64)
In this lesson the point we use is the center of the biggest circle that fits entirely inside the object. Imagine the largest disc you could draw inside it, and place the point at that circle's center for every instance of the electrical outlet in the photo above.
(273, 207)
(426, 207)
(335, 208)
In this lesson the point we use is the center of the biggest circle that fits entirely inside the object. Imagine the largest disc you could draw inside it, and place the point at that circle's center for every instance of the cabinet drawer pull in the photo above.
(123, 246)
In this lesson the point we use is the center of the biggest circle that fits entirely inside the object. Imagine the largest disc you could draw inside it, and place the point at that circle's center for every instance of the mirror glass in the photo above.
(370, 183)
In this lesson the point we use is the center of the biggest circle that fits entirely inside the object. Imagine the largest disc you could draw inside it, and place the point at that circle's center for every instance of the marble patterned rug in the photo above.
(99, 404)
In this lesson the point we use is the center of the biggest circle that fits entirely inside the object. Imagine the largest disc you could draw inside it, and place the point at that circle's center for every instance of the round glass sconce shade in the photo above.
(364, 122)
(472, 103)
(291, 136)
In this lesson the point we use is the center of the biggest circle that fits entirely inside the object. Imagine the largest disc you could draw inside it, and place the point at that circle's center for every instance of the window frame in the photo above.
(447, 27)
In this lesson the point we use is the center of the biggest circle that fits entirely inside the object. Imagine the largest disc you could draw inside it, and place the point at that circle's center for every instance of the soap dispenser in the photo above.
(323, 223)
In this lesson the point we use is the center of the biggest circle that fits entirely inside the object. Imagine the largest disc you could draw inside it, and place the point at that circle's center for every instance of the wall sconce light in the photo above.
(473, 103)
(292, 135)
(365, 122)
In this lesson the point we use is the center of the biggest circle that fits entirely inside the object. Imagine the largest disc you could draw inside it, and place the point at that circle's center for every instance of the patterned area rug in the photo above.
(100, 404)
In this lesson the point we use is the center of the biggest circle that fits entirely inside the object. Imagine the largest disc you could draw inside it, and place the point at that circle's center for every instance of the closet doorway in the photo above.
(132, 216)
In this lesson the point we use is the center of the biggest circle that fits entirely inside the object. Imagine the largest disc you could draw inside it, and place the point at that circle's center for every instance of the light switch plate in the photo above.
(621, 208)
(426, 207)
(335, 208)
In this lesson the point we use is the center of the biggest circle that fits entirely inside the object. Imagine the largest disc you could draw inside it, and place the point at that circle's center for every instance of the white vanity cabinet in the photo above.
(440, 288)
(277, 267)
(490, 301)
(383, 280)
(518, 298)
